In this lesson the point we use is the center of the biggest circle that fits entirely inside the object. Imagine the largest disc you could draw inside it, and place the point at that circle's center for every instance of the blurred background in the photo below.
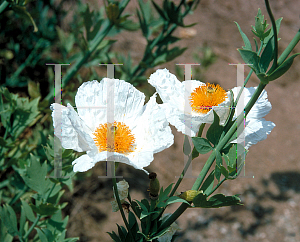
(269, 188)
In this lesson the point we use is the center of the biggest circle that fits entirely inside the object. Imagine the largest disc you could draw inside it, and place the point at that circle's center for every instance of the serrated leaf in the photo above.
(215, 130)
(247, 42)
(35, 176)
(216, 201)
(202, 145)
(44, 209)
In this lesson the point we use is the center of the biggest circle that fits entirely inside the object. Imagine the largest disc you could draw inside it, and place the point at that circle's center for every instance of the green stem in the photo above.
(216, 187)
(247, 78)
(211, 158)
(3, 6)
(120, 206)
(289, 48)
(274, 66)
(186, 165)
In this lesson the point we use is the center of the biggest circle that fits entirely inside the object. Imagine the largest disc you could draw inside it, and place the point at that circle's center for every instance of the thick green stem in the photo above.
(120, 206)
(289, 48)
(274, 66)
(211, 158)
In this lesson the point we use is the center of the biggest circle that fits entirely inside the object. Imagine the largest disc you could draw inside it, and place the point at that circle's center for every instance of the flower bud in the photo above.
(189, 195)
(154, 186)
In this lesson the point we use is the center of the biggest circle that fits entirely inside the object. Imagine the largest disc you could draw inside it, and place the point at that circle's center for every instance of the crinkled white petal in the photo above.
(256, 127)
(91, 97)
(167, 237)
(153, 131)
(173, 94)
(147, 123)
(257, 130)
(83, 163)
(261, 107)
(74, 134)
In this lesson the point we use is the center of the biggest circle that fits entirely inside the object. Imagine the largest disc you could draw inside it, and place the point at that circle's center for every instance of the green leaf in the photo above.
(283, 68)
(4, 235)
(245, 38)
(174, 52)
(9, 218)
(223, 171)
(216, 201)
(160, 11)
(35, 176)
(28, 211)
(215, 130)
(114, 236)
(176, 199)
(122, 232)
(164, 195)
(202, 145)
(45, 209)
(271, 34)
(267, 56)
(208, 184)
(250, 57)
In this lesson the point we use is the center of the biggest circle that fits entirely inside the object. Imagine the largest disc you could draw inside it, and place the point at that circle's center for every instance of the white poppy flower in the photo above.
(123, 194)
(256, 127)
(139, 130)
(167, 237)
(203, 98)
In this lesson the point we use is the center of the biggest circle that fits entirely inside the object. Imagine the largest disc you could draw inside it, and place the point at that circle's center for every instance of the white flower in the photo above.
(256, 127)
(123, 194)
(139, 130)
(167, 237)
(202, 99)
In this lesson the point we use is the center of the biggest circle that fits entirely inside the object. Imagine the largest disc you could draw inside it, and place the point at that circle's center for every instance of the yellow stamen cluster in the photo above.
(203, 98)
(116, 137)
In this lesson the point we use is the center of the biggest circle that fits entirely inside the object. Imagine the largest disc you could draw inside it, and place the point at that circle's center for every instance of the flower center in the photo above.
(114, 137)
(203, 98)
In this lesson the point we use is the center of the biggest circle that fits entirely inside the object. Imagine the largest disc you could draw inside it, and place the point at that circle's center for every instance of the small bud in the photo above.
(189, 195)
(154, 186)
(112, 11)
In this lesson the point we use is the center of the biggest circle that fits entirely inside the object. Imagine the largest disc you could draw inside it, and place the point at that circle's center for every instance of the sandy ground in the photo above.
(271, 199)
